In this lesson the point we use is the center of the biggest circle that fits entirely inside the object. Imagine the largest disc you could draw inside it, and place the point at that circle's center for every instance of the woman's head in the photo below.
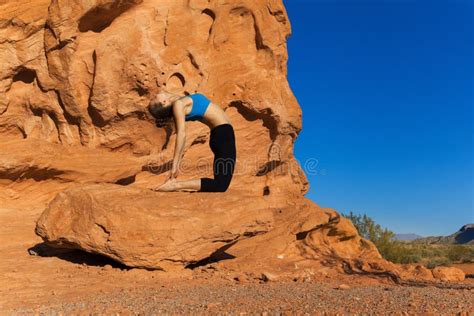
(161, 107)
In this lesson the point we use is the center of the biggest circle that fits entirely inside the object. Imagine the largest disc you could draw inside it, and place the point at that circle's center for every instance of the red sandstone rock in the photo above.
(448, 274)
(88, 74)
(141, 228)
(75, 80)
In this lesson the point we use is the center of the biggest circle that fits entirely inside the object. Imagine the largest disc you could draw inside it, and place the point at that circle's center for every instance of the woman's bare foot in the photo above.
(172, 185)
(168, 186)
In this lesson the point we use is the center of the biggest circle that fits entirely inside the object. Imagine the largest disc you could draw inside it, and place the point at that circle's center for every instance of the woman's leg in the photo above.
(224, 161)
(223, 146)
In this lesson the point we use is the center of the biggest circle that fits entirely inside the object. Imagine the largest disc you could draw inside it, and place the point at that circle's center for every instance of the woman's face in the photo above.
(164, 99)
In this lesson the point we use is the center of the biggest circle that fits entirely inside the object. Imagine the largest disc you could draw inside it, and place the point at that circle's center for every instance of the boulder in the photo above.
(448, 274)
(153, 230)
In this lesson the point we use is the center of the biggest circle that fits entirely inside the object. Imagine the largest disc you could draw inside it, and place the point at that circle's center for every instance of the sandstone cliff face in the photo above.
(75, 80)
(81, 73)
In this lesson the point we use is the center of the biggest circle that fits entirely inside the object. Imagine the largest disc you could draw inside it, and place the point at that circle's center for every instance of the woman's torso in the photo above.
(213, 115)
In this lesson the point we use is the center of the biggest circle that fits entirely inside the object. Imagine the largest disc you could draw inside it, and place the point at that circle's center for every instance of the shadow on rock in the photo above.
(216, 256)
(74, 256)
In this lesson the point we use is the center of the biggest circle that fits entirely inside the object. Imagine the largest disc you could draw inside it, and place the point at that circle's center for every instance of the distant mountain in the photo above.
(406, 237)
(465, 235)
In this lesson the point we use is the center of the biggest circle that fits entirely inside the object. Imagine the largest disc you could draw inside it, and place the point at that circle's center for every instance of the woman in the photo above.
(167, 106)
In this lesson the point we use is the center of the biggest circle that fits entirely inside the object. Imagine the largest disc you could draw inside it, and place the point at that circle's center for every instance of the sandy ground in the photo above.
(468, 268)
(274, 298)
(80, 283)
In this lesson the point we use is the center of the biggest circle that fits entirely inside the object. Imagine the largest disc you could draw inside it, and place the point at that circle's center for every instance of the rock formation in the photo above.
(75, 80)
(465, 235)
(151, 230)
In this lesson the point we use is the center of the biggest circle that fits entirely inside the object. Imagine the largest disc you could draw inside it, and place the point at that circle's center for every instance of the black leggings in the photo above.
(222, 143)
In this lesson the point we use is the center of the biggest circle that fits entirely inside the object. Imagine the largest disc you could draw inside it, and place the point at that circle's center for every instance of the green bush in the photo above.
(443, 261)
(391, 250)
(406, 252)
(460, 253)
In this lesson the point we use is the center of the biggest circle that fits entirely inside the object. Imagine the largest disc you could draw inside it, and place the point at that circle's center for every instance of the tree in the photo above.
(382, 238)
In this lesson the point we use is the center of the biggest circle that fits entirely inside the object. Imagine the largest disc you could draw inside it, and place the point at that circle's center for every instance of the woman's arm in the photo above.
(179, 119)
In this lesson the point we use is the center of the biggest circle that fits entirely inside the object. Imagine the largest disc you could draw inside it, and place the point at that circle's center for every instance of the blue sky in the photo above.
(386, 89)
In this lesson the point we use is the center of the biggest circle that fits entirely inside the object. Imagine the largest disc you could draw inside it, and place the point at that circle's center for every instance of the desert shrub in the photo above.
(438, 251)
(400, 252)
(431, 255)
(428, 251)
(466, 260)
(461, 253)
(390, 249)
(442, 261)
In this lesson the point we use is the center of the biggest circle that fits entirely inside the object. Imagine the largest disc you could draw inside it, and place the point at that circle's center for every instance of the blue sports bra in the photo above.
(200, 105)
